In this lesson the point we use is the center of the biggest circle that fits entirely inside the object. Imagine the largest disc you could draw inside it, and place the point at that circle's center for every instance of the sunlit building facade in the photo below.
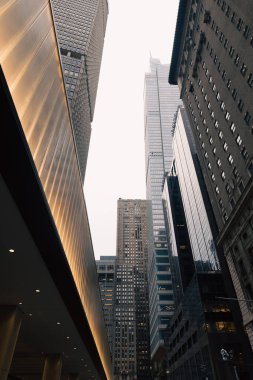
(160, 101)
(51, 318)
(80, 27)
(131, 350)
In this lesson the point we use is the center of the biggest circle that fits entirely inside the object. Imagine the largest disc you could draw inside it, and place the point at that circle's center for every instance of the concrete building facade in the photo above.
(211, 63)
(106, 279)
(131, 351)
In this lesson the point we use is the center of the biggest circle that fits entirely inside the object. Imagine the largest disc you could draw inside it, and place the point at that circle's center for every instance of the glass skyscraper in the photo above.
(80, 27)
(161, 102)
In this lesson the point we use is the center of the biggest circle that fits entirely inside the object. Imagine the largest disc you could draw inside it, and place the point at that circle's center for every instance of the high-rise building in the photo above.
(131, 350)
(106, 279)
(80, 27)
(51, 318)
(205, 321)
(161, 102)
(211, 63)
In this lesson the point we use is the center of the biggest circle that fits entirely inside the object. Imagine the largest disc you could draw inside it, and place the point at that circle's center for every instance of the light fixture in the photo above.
(20, 303)
(11, 250)
(67, 337)
(37, 291)
(75, 348)
(58, 323)
(30, 315)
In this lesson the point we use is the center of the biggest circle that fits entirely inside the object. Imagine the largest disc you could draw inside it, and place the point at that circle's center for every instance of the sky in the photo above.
(135, 30)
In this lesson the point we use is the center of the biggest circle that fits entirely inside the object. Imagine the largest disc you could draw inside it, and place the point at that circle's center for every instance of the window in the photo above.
(239, 24)
(250, 80)
(225, 146)
(240, 105)
(233, 18)
(220, 135)
(243, 69)
(209, 166)
(246, 31)
(230, 159)
(232, 127)
(218, 162)
(247, 118)
(223, 176)
(237, 59)
(231, 51)
(234, 94)
(227, 115)
(213, 177)
(214, 150)
(229, 84)
(211, 140)
(217, 190)
(216, 124)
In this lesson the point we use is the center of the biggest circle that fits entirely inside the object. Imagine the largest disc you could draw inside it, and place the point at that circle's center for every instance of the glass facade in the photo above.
(201, 238)
(161, 102)
(80, 27)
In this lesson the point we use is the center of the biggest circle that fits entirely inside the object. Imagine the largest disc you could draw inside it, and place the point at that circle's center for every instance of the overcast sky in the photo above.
(115, 169)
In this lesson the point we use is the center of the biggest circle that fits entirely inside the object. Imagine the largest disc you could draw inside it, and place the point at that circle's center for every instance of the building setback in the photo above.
(212, 64)
(131, 350)
(80, 27)
(206, 326)
(160, 101)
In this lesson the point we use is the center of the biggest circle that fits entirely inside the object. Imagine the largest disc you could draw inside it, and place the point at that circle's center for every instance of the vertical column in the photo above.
(10, 322)
(52, 367)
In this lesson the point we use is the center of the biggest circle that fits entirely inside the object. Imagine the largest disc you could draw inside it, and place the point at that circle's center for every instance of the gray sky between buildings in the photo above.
(116, 163)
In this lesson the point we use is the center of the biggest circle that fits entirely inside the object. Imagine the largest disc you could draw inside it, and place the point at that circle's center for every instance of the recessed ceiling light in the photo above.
(75, 348)
(37, 291)
(11, 250)
(30, 315)
(58, 323)
(82, 359)
(67, 337)
(20, 303)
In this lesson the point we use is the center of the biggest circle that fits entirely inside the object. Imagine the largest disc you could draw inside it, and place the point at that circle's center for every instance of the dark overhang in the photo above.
(175, 60)
(20, 175)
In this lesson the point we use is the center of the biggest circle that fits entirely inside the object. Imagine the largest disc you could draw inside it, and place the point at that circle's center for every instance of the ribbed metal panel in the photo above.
(30, 61)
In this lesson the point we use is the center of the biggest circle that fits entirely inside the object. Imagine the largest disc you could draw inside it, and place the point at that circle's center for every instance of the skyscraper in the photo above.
(211, 62)
(206, 325)
(131, 351)
(106, 279)
(80, 27)
(161, 102)
(51, 319)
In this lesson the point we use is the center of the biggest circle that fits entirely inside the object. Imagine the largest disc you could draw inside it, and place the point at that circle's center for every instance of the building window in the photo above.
(213, 177)
(229, 83)
(247, 118)
(220, 135)
(243, 69)
(250, 80)
(225, 146)
(223, 176)
(234, 94)
(230, 159)
(239, 24)
(240, 105)
(227, 115)
(232, 127)
(246, 31)
(237, 59)
(217, 190)
(219, 162)
(231, 51)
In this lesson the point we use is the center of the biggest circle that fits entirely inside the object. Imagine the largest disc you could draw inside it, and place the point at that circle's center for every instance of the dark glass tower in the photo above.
(80, 27)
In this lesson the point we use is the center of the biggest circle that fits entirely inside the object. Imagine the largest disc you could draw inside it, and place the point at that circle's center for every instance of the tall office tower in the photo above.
(205, 330)
(211, 63)
(80, 27)
(161, 102)
(131, 351)
(51, 317)
(106, 279)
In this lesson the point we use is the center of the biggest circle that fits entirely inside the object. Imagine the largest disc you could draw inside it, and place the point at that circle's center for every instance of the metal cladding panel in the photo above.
(30, 61)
